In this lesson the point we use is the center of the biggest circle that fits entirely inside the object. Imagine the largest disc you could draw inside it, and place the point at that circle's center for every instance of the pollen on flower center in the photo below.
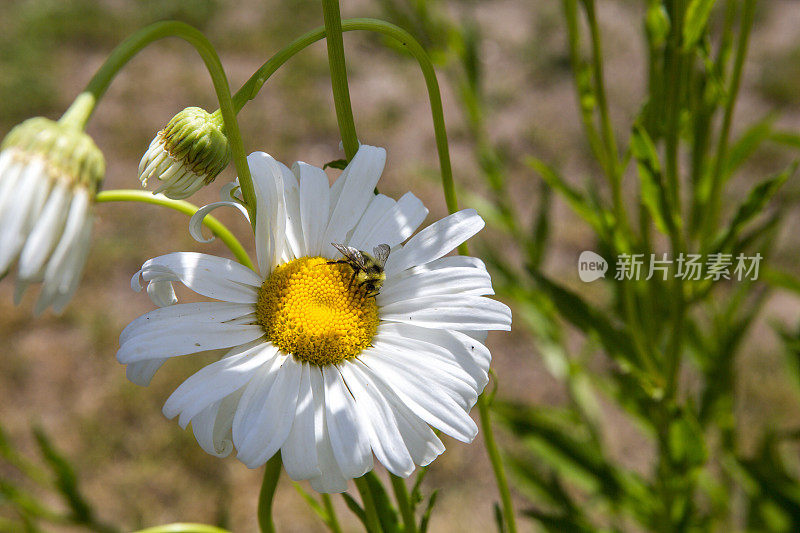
(310, 309)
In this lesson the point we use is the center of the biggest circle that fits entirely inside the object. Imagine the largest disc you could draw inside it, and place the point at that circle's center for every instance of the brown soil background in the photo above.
(140, 469)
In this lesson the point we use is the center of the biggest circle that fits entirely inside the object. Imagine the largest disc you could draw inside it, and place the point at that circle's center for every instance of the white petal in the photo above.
(299, 452)
(431, 363)
(9, 180)
(450, 312)
(65, 266)
(421, 441)
(429, 403)
(331, 478)
(184, 329)
(161, 293)
(211, 276)
(359, 180)
(217, 380)
(295, 240)
(46, 230)
(465, 352)
(270, 210)
(349, 439)
(196, 222)
(459, 280)
(378, 206)
(272, 424)
(314, 205)
(212, 427)
(379, 419)
(435, 241)
(17, 214)
(397, 224)
(142, 372)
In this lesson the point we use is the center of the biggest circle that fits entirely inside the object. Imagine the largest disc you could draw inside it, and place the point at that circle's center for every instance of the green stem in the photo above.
(183, 528)
(404, 502)
(497, 464)
(341, 92)
(272, 472)
(216, 227)
(373, 522)
(712, 212)
(83, 107)
(332, 521)
(252, 86)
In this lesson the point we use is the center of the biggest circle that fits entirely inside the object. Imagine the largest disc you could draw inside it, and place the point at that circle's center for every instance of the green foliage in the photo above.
(662, 351)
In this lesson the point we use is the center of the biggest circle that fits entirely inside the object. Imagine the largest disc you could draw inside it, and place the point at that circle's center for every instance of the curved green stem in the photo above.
(83, 107)
(253, 85)
(272, 472)
(216, 227)
(183, 528)
(404, 503)
(373, 523)
(338, 66)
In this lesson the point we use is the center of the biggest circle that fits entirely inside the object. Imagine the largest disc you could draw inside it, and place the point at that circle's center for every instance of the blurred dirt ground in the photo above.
(140, 469)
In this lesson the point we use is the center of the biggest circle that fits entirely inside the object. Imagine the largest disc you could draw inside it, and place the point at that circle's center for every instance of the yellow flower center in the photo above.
(310, 309)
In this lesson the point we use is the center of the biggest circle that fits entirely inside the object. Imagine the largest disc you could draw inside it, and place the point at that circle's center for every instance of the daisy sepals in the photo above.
(218, 229)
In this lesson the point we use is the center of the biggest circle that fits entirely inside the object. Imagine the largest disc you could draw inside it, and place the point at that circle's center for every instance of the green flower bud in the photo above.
(187, 154)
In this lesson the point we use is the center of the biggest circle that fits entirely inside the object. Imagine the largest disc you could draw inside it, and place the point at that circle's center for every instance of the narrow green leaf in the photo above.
(558, 523)
(747, 144)
(66, 480)
(388, 515)
(780, 279)
(499, 522)
(753, 205)
(572, 196)
(426, 516)
(695, 22)
(341, 164)
(356, 508)
(586, 318)
(653, 192)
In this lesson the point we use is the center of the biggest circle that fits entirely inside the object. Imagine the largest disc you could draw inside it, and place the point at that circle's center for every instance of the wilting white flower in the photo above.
(49, 175)
(187, 154)
(317, 368)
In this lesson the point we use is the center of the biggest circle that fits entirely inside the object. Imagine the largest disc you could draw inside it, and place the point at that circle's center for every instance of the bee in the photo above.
(367, 269)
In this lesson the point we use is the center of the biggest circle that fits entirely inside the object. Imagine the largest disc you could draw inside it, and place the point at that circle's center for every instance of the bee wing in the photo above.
(381, 253)
(351, 254)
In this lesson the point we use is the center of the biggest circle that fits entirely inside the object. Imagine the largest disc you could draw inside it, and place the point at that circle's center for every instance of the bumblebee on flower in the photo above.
(321, 365)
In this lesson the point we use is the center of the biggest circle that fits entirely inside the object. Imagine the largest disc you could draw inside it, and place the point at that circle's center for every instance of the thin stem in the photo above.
(404, 502)
(216, 227)
(333, 521)
(272, 472)
(712, 212)
(252, 86)
(341, 92)
(80, 112)
(183, 528)
(373, 522)
(497, 465)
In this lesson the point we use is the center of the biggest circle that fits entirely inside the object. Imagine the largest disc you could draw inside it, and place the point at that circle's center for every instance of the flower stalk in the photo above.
(341, 91)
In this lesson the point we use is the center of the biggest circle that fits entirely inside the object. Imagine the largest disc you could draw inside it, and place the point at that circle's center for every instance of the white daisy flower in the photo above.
(316, 367)
(49, 175)
(187, 154)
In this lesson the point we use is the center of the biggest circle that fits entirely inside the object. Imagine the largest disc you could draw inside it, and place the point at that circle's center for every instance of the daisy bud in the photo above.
(187, 154)
(49, 175)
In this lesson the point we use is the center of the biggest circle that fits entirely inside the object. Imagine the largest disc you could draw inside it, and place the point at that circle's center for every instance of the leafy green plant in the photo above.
(662, 350)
